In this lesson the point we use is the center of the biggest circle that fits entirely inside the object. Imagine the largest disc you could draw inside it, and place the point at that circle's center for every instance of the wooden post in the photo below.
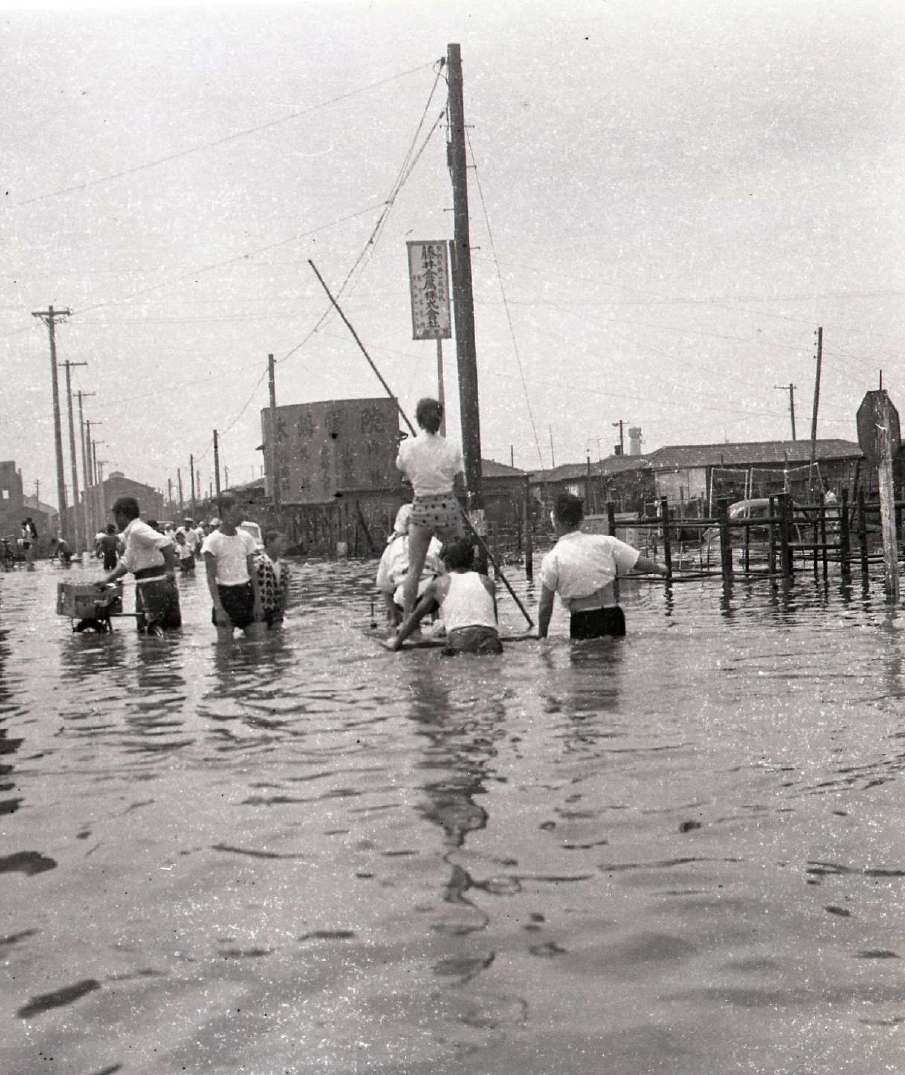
(667, 536)
(887, 510)
(772, 548)
(529, 535)
(844, 538)
(862, 534)
(722, 514)
(784, 550)
(823, 537)
(611, 518)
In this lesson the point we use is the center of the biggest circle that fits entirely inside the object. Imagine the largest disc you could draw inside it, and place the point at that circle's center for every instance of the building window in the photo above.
(4, 493)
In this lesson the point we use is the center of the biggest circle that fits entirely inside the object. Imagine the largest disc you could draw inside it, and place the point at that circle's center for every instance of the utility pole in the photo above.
(38, 493)
(75, 474)
(49, 317)
(100, 506)
(466, 352)
(619, 425)
(272, 449)
(192, 476)
(814, 413)
(216, 464)
(169, 496)
(552, 456)
(86, 509)
(790, 388)
(179, 487)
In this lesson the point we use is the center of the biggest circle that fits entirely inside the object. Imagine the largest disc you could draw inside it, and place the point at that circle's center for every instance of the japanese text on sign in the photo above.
(429, 279)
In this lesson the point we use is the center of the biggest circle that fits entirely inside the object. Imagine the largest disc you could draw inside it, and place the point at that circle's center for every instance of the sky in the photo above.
(666, 200)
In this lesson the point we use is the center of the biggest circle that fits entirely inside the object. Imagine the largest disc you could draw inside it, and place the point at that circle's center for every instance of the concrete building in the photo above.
(150, 501)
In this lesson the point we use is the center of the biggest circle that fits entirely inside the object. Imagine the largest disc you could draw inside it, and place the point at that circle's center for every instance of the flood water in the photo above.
(682, 852)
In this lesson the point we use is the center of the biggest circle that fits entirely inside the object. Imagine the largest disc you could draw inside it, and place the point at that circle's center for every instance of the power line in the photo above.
(518, 356)
(221, 141)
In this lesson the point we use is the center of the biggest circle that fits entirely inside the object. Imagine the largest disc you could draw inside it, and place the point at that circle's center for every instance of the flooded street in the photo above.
(679, 853)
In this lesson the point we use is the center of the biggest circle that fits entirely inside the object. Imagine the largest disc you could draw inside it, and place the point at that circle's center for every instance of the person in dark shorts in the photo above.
(151, 558)
(231, 577)
(582, 569)
(466, 601)
(109, 547)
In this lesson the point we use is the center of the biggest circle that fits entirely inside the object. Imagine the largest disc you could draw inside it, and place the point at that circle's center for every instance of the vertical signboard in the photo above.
(429, 281)
(335, 447)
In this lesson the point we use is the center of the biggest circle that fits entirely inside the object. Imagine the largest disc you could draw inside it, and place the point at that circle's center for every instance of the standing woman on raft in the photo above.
(431, 464)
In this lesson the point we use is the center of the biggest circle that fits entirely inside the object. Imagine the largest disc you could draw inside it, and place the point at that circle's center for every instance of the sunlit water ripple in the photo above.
(681, 852)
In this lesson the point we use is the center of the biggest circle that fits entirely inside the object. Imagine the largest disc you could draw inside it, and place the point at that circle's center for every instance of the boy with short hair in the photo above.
(466, 601)
(231, 577)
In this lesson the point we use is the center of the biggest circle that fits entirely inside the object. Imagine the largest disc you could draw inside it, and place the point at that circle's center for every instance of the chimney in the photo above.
(634, 440)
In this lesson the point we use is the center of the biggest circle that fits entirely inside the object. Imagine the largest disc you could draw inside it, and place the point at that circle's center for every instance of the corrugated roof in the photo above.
(490, 468)
(750, 453)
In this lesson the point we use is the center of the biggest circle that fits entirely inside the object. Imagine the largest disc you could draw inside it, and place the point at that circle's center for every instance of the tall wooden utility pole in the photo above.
(466, 352)
(216, 464)
(75, 473)
(814, 413)
(181, 501)
(790, 388)
(49, 317)
(86, 507)
(271, 446)
(192, 476)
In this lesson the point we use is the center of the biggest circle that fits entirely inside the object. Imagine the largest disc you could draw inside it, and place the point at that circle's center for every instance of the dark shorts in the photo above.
(238, 603)
(157, 604)
(597, 623)
(110, 559)
(473, 640)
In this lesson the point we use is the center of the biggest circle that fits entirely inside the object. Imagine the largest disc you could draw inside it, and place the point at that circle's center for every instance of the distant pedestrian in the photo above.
(110, 546)
(29, 540)
(431, 464)
(582, 569)
(151, 558)
(184, 553)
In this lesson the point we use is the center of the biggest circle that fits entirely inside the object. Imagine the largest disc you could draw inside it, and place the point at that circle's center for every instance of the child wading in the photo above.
(431, 464)
(466, 601)
(231, 578)
(582, 569)
(273, 578)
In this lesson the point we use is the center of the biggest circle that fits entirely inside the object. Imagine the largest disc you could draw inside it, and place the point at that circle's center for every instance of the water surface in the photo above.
(680, 853)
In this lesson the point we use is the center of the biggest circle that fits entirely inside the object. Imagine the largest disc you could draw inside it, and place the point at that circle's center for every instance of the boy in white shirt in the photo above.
(582, 569)
(231, 577)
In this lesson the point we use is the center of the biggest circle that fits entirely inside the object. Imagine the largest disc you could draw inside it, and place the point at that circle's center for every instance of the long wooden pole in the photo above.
(887, 505)
(814, 412)
(271, 446)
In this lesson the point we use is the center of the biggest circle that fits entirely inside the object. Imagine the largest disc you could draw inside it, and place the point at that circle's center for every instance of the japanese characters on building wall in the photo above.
(338, 446)
(429, 280)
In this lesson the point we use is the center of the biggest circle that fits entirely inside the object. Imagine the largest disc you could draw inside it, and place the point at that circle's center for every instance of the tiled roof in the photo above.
(749, 453)
(604, 468)
(491, 469)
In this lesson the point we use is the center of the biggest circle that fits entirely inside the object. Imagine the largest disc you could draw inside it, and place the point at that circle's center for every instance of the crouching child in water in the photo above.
(466, 601)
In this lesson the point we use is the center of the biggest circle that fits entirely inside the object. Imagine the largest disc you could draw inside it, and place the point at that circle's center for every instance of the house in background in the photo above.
(150, 501)
(697, 475)
(623, 480)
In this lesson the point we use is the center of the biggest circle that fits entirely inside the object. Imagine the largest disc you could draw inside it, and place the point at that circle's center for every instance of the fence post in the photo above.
(844, 539)
(529, 536)
(823, 537)
(772, 546)
(862, 534)
(611, 518)
(785, 553)
(667, 537)
(722, 514)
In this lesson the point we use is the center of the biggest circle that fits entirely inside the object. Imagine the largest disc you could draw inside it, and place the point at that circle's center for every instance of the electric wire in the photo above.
(223, 141)
(518, 356)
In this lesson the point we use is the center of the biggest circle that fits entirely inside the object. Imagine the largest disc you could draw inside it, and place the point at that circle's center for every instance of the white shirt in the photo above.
(231, 554)
(394, 563)
(579, 564)
(142, 545)
(430, 463)
(467, 603)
